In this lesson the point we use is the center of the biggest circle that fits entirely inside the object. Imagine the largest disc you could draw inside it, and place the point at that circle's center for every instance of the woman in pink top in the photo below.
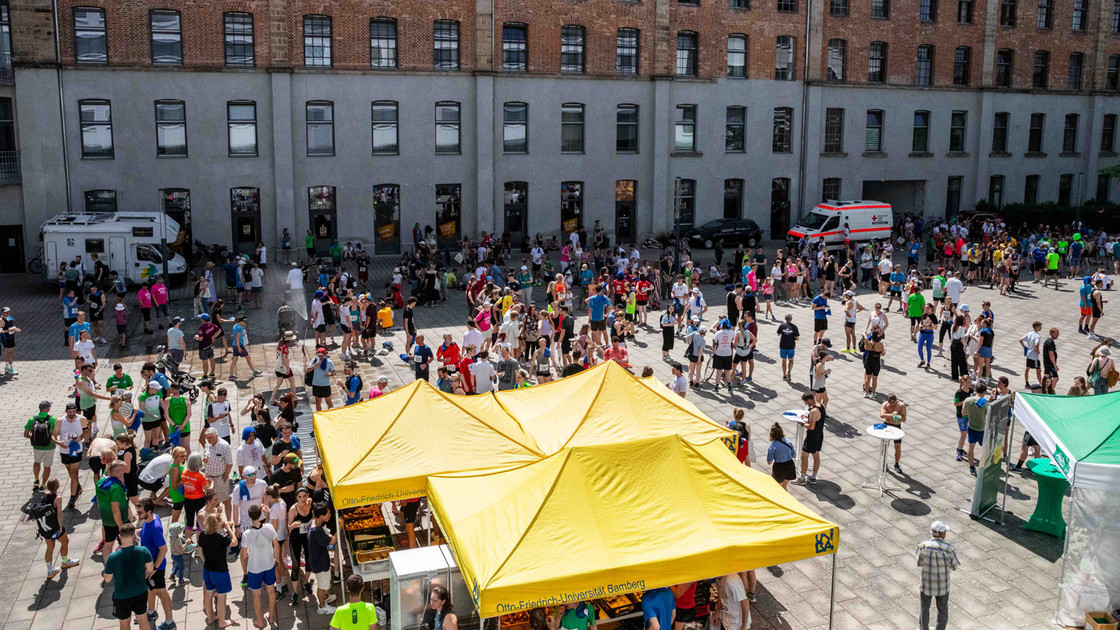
(144, 296)
(565, 257)
(159, 296)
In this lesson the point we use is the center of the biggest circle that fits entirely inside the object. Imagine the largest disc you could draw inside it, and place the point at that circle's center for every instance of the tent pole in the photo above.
(832, 593)
(1065, 546)
(1007, 468)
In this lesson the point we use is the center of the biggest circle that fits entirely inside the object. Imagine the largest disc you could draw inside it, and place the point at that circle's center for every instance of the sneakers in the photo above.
(801, 480)
(152, 615)
(69, 562)
(751, 596)
(331, 597)
(295, 599)
(166, 625)
(960, 455)
(326, 610)
(813, 479)
(972, 470)
(53, 572)
(1093, 336)
(897, 468)
(1017, 468)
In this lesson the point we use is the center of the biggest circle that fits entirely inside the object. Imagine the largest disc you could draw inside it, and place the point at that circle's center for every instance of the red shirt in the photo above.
(449, 354)
(643, 289)
(616, 287)
(465, 377)
(688, 598)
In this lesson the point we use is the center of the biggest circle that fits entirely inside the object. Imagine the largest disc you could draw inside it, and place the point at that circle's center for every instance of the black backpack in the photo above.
(41, 431)
(38, 506)
(357, 376)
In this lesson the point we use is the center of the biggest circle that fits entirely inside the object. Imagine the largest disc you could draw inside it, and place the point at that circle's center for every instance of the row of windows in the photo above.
(1008, 12)
(958, 124)
(1032, 183)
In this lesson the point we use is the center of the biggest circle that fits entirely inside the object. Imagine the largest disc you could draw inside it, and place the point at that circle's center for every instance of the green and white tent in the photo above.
(1082, 435)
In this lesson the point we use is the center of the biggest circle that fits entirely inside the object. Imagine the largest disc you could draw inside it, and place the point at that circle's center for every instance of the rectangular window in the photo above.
(385, 130)
(1005, 63)
(515, 128)
(880, 9)
(995, 190)
(740, 4)
(1069, 134)
(317, 41)
(830, 189)
(787, 6)
(779, 207)
(171, 128)
(783, 59)
(445, 51)
(515, 47)
(920, 141)
(320, 128)
(1034, 136)
(838, 8)
(686, 198)
(1041, 75)
(684, 136)
(737, 56)
(834, 130)
(1104, 184)
(1116, 16)
(783, 130)
(1007, 9)
(962, 65)
(90, 42)
(686, 53)
(999, 132)
(1080, 14)
(927, 10)
(571, 49)
(1112, 79)
(1108, 133)
(964, 12)
(877, 62)
(167, 38)
(626, 129)
(447, 128)
(383, 43)
(957, 127)
(1065, 189)
(239, 39)
(1030, 190)
(837, 60)
(925, 65)
(735, 130)
(953, 196)
(8, 170)
(626, 57)
(96, 121)
(1076, 64)
(571, 128)
(241, 128)
(1045, 13)
(873, 132)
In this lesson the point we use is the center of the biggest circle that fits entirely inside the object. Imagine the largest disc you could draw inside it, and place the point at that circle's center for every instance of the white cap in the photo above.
(703, 329)
(383, 379)
(249, 471)
(938, 527)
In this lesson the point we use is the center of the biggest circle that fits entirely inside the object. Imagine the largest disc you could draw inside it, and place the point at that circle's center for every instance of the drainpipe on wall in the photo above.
(61, 106)
(804, 113)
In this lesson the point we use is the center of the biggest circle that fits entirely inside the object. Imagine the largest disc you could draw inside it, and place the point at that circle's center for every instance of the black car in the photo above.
(732, 231)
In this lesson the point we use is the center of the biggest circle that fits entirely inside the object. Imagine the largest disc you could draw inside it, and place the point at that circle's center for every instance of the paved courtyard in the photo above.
(1008, 578)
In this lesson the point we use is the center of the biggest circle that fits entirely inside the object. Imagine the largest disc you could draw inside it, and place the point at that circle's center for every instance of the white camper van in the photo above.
(131, 243)
(865, 221)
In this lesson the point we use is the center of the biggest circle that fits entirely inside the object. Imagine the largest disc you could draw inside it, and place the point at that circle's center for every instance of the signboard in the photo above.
(991, 457)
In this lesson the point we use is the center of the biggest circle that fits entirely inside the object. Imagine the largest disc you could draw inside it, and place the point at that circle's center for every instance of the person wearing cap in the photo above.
(282, 368)
(696, 304)
(380, 389)
(937, 559)
(43, 431)
(251, 452)
(205, 338)
(247, 492)
(525, 279)
(240, 344)
(321, 369)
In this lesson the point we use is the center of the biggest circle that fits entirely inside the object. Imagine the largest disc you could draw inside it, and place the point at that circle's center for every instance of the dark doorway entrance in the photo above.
(732, 198)
(323, 217)
(625, 200)
(245, 211)
(516, 206)
(177, 206)
(449, 205)
(11, 249)
(905, 196)
(571, 206)
(779, 207)
(387, 219)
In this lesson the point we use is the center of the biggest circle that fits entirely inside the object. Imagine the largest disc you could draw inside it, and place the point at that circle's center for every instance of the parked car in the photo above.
(732, 231)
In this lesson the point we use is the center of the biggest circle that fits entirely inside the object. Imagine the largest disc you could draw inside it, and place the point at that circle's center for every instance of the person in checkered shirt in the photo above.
(937, 558)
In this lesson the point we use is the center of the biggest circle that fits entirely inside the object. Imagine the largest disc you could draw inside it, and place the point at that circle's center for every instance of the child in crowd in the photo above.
(176, 545)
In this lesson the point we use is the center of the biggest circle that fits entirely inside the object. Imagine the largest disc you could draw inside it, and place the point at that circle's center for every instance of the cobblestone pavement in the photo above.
(1008, 577)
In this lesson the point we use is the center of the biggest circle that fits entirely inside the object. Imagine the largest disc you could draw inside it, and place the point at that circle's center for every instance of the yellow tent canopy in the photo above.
(384, 449)
(606, 405)
(599, 521)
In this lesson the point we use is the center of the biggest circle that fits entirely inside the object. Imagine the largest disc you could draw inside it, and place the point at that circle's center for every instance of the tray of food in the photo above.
(618, 605)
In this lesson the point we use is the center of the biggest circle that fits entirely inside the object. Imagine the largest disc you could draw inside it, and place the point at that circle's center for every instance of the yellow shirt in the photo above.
(997, 256)
(385, 317)
(505, 303)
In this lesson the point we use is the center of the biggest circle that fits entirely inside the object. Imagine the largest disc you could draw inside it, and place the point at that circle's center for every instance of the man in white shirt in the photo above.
(885, 268)
(247, 493)
(259, 550)
(473, 337)
(679, 384)
(680, 296)
(251, 451)
(483, 373)
(1032, 348)
(318, 322)
(735, 607)
(295, 278)
(954, 287)
(723, 342)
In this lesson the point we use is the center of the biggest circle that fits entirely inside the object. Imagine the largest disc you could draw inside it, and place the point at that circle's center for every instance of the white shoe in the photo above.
(331, 597)
(326, 610)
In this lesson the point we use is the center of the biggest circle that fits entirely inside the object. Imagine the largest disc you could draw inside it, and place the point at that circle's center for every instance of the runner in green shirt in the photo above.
(1052, 261)
(356, 614)
(309, 243)
(112, 501)
(128, 569)
(42, 441)
(580, 616)
(119, 382)
(179, 415)
(915, 304)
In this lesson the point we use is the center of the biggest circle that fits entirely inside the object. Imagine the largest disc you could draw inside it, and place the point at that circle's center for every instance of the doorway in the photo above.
(906, 196)
(387, 219)
(323, 217)
(571, 207)
(177, 206)
(516, 205)
(625, 208)
(779, 207)
(732, 198)
(449, 206)
(11, 249)
(245, 214)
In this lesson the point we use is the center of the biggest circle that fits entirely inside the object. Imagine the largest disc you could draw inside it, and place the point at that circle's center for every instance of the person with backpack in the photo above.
(1102, 371)
(45, 513)
(43, 434)
(352, 384)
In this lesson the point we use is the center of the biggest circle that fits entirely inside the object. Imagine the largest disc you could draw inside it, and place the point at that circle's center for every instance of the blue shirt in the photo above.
(585, 277)
(660, 604)
(175, 338)
(151, 538)
(422, 355)
(914, 249)
(897, 278)
(70, 307)
(319, 376)
(820, 313)
(780, 451)
(598, 305)
(1075, 249)
(76, 329)
(1086, 292)
(231, 273)
(240, 339)
(352, 393)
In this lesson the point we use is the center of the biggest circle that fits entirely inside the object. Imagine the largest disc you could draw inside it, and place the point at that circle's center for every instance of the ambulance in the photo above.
(862, 220)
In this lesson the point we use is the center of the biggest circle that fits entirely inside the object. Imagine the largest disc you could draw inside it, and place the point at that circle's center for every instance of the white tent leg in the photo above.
(1065, 547)
(832, 593)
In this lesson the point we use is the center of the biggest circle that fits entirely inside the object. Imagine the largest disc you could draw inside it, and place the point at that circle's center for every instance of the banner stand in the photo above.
(994, 466)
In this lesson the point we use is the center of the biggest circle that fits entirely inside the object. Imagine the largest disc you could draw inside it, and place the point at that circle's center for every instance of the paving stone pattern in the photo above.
(1008, 577)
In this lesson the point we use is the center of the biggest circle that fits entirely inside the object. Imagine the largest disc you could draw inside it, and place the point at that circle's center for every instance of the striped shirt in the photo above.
(937, 559)
(218, 455)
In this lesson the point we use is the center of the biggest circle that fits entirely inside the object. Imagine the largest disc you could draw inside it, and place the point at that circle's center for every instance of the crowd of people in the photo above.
(244, 495)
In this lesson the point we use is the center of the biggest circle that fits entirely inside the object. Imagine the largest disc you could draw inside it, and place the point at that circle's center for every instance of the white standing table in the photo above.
(886, 436)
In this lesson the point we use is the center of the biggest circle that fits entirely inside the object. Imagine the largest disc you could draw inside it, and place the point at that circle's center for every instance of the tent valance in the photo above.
(1082, 434)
